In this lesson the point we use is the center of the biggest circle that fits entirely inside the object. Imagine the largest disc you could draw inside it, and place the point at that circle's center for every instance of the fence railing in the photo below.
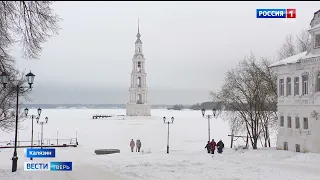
(46, 142)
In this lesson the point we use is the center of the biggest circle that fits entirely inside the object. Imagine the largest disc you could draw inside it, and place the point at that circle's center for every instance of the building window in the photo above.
(139, 67)
(305, 123)
(297, 123)
(281, 87)
(305, 85)
(139, 81)
(317, 41)
(296, 86)
(289, 121)
(282, 121)
(297, 147)
(318, 82)
(285, 146)
(288, 86)
(139, 49)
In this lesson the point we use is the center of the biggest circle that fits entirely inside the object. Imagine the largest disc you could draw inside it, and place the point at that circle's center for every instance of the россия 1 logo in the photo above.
(276, 13)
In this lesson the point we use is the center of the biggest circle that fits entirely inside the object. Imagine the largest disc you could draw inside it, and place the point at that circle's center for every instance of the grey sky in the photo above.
(188, 47)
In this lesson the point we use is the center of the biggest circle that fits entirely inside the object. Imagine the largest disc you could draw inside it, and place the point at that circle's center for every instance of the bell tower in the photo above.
(138, 91)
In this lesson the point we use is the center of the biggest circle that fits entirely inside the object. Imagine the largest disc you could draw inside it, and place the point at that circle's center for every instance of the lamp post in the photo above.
(168, 122)
(26, 110)
(203, 111)
(4, 79)
(42, 123)
(57, 137)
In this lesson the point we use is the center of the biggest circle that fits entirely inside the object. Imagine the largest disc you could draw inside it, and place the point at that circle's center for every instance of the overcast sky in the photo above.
(188, 48)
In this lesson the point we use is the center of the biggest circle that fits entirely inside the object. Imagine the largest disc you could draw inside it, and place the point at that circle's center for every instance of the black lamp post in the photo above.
(42, 123)
(26, 110)
(4, 79)
(203, 111)
(168, 122)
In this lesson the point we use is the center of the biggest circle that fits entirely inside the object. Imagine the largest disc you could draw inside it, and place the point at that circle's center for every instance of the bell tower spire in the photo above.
(138, 35)
(138, 41)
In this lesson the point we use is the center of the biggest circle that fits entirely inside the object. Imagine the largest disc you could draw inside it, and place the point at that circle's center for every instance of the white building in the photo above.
(299, 97)
(138, 91)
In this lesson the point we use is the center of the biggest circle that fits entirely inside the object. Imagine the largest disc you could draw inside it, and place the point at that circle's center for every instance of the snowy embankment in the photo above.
(187, 158)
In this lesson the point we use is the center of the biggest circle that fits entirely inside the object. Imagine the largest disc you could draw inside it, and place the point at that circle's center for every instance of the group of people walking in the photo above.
(137, 144)
(211, 146)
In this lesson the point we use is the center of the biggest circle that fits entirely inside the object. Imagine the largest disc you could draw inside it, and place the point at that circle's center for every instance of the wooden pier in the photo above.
(101, 116)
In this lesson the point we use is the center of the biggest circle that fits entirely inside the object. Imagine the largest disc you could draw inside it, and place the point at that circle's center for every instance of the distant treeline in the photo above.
(198, 106)
(215, 105)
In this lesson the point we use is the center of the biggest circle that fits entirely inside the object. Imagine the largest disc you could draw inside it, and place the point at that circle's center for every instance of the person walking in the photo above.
(208, 146)
(213, 146)
(138, 145)
(132, 145)
(220, 146)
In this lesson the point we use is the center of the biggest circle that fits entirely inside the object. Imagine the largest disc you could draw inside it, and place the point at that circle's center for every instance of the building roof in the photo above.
(315, 27)
(138, 41)
(290, 60)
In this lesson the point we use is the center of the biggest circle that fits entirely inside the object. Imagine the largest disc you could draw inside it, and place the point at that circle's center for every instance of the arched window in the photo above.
(139, 67)
(288, 86)
(139, 81)
(138, 49)
(305, 79)
(139, 99)
(318, 82)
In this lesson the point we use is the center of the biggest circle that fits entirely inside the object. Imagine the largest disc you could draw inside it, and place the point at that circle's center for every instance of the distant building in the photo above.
(299, 97)
(138, 91)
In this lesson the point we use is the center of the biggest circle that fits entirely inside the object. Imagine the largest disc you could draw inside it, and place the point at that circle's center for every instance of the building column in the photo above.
(142, 66)
(132, 66)
(131, 80)
(300, 85)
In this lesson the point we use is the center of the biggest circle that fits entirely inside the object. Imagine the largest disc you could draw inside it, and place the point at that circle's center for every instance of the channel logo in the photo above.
(40, 153)
(48, 166)
(276, 13)
(36, 166)
(60, 166)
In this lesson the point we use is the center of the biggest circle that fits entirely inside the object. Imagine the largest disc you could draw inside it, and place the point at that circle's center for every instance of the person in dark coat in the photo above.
(208, 146)
(220, 146)
(138, 145)
(213, 146)
(132, 145)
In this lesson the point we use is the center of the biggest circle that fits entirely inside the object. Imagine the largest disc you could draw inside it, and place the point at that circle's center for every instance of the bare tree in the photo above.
(288, 48)
(269, 117)
(303, 41)
(29, 23)
(247, 93)
(293, 46)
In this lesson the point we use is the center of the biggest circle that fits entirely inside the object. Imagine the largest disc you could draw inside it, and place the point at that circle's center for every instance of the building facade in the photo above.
(299, 96)
(138, 91)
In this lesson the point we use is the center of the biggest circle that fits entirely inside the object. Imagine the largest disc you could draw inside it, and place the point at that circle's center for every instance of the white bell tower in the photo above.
(138, 91)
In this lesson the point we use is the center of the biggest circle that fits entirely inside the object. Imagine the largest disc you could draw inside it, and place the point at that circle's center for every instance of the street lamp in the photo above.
(42, 123)
(203, 111)
(168, 122)
(26, 110)
(4, 79)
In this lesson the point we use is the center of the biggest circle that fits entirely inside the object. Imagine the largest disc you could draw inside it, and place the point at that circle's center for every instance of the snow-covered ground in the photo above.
(187, 158)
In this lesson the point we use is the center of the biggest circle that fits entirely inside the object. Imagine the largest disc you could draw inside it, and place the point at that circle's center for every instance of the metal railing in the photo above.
(46, 142)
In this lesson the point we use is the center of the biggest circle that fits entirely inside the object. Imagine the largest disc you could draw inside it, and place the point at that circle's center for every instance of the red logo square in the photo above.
(291, 13)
